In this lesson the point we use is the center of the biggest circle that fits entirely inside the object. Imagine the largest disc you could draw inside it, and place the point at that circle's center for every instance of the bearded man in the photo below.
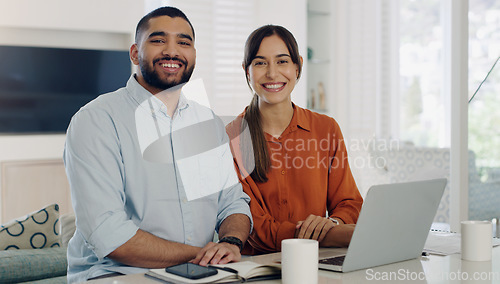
(150, 172)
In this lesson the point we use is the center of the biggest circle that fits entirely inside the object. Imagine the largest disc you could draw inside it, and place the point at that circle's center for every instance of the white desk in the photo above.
(431, 269)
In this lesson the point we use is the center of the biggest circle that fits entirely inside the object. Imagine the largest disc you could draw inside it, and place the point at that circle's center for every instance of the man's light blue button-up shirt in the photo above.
(131, 166)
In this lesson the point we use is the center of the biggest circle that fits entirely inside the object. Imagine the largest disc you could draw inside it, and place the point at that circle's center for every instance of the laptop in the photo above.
(392, 226)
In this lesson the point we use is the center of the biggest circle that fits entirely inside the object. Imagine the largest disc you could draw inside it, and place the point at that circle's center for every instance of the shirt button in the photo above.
(283, 172)
(184, 200)
(189, 238)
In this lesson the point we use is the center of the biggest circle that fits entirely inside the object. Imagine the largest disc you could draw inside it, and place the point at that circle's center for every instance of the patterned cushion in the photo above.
(39, 229)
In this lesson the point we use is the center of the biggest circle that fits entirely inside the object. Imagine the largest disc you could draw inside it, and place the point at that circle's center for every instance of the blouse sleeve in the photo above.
(344, 200)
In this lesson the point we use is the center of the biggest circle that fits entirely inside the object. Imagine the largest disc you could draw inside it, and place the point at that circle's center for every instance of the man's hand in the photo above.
(217, 253)
(236, 225)
(313, 227)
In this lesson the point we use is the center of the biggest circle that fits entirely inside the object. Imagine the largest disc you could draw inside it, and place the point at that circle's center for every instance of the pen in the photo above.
(227, 269)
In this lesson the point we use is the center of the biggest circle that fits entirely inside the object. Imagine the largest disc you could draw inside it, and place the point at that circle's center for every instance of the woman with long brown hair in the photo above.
(292, 162)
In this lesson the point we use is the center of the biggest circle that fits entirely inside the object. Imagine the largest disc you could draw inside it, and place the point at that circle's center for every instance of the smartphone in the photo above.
(191, 270)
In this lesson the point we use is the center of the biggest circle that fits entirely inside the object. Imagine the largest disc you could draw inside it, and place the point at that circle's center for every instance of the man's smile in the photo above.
(171, 66)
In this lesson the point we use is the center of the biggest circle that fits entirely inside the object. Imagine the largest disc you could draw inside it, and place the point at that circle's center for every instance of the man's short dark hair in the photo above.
(172, 12)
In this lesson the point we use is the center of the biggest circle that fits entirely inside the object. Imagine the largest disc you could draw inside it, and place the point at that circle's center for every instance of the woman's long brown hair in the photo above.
(252, 115)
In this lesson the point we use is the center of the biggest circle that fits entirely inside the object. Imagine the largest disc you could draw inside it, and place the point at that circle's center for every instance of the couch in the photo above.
(47, 265)
(395, 162)
(43, 265)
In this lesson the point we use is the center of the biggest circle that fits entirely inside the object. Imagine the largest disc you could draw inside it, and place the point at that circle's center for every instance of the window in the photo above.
(423, 119)
(407, 60)
(484, 137)
(484, 43)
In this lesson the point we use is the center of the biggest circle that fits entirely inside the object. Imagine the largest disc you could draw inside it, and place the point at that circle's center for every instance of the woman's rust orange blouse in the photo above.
(309, 174)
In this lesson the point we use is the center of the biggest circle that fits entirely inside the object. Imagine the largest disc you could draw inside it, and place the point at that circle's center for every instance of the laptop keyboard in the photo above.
(337, 260)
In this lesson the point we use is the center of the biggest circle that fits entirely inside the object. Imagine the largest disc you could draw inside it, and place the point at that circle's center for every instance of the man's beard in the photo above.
(151, 76)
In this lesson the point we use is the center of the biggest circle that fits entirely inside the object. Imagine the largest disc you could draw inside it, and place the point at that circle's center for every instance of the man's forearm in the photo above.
(236, 225)
(149, 251)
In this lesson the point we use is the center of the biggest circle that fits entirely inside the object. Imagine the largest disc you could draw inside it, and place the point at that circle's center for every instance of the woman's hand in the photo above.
(340, 236)
(313, 227)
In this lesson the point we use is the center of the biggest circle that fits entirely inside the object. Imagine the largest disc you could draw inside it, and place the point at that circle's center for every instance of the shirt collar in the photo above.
(140, 94)
(299, 120)
(136, 91)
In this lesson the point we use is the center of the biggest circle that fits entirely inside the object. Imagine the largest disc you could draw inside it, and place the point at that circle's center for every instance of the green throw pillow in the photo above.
(39, 229)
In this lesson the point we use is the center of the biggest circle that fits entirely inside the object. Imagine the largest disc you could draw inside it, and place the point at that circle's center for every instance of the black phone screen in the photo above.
(191, 270)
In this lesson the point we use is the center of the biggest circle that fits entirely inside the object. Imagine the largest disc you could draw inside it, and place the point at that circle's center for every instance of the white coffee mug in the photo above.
(299, 261)
(476, 243)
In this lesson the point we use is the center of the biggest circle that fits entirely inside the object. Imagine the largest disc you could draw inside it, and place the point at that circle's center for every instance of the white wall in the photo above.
(31, 147)
(96, 24)
(89, 15)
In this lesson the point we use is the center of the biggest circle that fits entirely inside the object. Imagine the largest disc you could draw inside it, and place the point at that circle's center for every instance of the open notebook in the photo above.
(246, 271)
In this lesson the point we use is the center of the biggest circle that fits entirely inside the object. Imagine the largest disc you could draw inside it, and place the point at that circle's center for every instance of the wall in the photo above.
(89, 15)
